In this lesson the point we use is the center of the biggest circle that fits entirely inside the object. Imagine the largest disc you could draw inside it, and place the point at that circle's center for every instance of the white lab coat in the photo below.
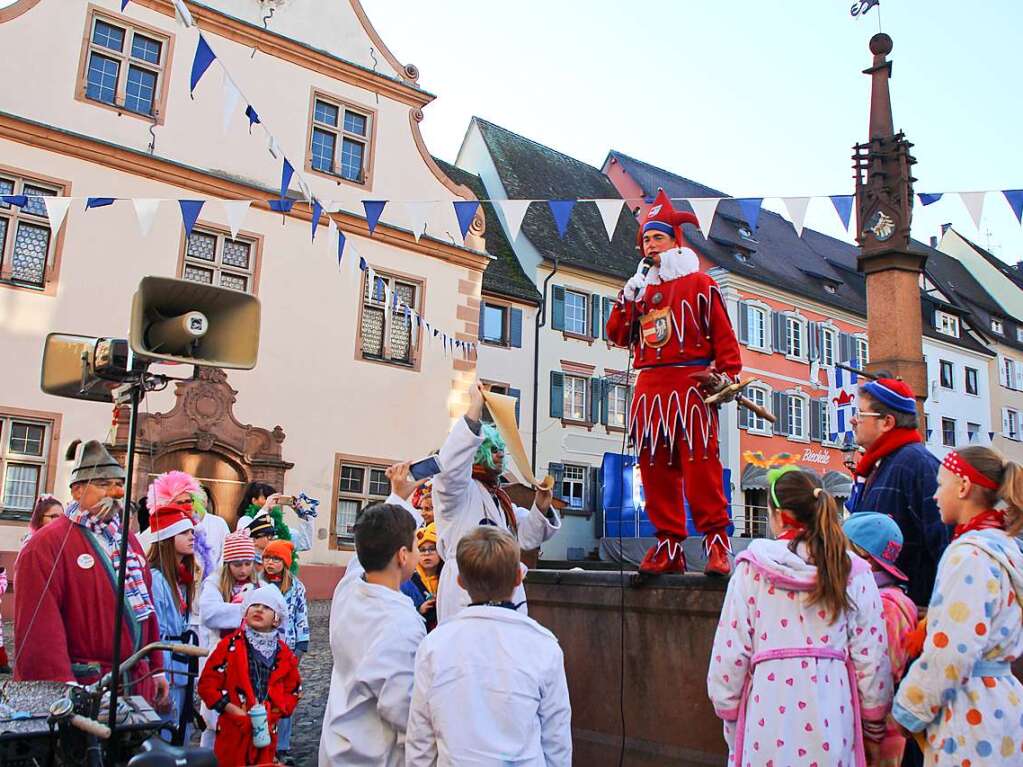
(460, 504)
(373, 640)
(489, 691)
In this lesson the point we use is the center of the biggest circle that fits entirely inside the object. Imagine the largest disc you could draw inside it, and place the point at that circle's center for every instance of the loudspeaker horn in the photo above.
(83, 367)
(191, 323)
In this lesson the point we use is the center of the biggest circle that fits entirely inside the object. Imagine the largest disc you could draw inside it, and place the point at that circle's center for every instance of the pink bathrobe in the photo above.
(791, 687)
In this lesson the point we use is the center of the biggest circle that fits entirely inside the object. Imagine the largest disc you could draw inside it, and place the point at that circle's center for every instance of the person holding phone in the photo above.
(261, 512)
(467, 493)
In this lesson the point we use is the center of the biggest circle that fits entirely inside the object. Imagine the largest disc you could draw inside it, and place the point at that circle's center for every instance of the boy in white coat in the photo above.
(490, 683)
(467, 494)
(374, 634)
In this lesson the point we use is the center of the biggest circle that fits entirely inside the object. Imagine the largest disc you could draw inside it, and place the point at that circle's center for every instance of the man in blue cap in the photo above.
(897, 476)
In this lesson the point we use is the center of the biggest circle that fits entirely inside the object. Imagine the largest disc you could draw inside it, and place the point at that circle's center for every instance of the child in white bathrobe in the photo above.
(374, 634)
(490, 683)
(467, 493)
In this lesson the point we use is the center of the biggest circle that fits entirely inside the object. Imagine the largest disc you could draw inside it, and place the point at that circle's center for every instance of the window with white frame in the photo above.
(386, 330)
(25, 236)
(575, 313)
(24, 448)
(862, 350)
(339, 139)
(948, 432)
(617, 396)
(971, 380)
(826, 425)
(573, 486)
(795, 336)
(124, 65)
(759, 396)
(359, 485)
(797, 416)
(997, 327)
(216, 258)
(576, 389)
(1010, 373)
(829, 340)
(946, 374)
(946, 324)
(973, 433)
(1010, 423)
(756, 327)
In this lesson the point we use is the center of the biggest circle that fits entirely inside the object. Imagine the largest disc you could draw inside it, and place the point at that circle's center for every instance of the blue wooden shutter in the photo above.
(605, 394)
(517, 394)
(845, 348)
(557, 470)
(557, 307)
(813, 334)
(781, 412)
(595, 491)
(595, 399)
(743, 322)
(815, 420)
(595, 316)
(483, 307)
(557, 394)
(515, 328)
(780, 328)
(608, 304)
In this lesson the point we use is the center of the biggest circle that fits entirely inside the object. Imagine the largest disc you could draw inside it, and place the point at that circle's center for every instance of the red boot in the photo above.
(665, 558)
(718, 548)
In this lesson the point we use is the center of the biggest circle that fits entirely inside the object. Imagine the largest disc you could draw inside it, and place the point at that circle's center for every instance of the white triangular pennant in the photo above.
(272, 146)
(417, 213)
(231, 98)
(610, 212)
(235, 211)
(56, 210)
(513, 211)
(414, 329)
(796, 206)
(974, 202)
(303, 187)
(704, 208)
(352, 256)
(145, 211)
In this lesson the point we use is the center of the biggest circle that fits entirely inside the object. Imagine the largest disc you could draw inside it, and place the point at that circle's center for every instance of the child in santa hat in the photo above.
(252, 681)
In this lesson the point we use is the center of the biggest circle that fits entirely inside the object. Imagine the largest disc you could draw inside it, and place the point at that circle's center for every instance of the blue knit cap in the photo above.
(892, 393)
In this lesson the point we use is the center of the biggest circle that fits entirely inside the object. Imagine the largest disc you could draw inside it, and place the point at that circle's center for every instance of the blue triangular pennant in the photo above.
(843, 207)
(124, 4)
(928, 199)
(253, 117)
(562, 211)
(204, 56)
(929, 433)
(99, 202)
(190, 214)
(378, 289)
(373, 208)
(287, 171)
(465, 211)
(282, 205)
(1015, 199)
(750, 207)
(340, 246)
(990, 436)
(362, 264)
(21, 200)
(317, 212)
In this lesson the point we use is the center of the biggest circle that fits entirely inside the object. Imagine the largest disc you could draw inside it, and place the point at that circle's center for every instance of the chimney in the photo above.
(1019, 266)
(934, 241)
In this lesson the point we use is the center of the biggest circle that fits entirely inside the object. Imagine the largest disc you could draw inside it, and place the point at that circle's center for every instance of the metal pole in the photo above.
(541, 320)
(135, 393)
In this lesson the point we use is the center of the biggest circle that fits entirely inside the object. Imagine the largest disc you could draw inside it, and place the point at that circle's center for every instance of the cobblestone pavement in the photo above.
(315, 670)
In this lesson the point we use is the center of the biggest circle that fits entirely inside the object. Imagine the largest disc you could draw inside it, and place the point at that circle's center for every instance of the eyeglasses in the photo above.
(427, 551)
(869, 414)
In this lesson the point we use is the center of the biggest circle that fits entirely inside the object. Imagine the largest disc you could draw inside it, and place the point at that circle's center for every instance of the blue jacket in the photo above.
(902, 486)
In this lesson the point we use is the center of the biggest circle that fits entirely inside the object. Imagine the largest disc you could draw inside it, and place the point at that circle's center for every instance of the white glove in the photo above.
(634, 287)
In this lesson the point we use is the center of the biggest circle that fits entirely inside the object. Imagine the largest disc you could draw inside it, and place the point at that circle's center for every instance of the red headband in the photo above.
(958, 465)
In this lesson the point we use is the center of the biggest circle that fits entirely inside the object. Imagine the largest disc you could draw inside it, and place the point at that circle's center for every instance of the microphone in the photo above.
(648, 263)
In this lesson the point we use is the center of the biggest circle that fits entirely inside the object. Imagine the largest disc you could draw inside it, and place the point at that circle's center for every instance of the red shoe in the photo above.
(718, 548)
(666, 558)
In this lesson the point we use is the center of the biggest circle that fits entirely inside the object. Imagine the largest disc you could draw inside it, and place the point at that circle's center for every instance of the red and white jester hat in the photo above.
(663, 217)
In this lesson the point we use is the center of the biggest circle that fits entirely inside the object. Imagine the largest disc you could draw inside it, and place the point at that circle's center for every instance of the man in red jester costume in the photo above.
(675, 319)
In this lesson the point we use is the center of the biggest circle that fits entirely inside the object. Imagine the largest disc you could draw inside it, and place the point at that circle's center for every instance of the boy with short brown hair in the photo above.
(490, 681)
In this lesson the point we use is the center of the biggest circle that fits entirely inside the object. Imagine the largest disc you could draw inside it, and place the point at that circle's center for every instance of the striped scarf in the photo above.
(108, 533)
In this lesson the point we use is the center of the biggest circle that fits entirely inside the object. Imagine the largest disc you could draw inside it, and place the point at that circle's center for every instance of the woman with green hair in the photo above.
(468, 493)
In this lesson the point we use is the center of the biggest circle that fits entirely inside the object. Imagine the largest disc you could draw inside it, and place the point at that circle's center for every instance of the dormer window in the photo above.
(742, 257)
(946, 324)
(745, 233)
(830, 287)
(997, 327)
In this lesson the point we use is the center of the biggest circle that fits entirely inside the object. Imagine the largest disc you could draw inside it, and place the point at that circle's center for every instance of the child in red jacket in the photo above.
(251, 668)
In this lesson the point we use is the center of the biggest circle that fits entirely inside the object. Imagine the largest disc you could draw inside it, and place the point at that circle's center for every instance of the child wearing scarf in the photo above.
(250, 679)
(959, 698)
(294, 630)
(421, 588)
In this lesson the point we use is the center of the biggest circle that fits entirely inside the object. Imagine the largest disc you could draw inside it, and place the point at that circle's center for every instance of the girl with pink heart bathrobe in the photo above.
(799, 672)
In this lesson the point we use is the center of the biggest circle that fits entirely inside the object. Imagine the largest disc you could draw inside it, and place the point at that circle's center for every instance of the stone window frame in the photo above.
(222, 233)
(417, 347)
(336, 542)
(369, 140)
(49, 460)
(164, 69)
(14, 214)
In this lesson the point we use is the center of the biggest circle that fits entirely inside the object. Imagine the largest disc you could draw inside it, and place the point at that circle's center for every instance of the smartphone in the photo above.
(286, 500)
(427, 467)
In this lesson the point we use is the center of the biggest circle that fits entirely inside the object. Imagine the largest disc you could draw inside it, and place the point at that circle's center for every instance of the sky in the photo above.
(756, 98)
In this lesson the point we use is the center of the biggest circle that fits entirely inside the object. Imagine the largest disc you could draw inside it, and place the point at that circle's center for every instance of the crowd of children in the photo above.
(818, 657)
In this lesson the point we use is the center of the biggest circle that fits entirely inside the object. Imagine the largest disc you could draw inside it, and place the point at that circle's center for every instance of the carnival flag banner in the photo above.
(235, 212)
(513, 211)
(610, 212)
(562, 212)
(465, 212)
(974, 202)
(796, 206)
(704, 208)
(231, 98)
(843, 207)
(56, 210)
(750, 207)
(842, 386)
(145, 212)
(1015, 199)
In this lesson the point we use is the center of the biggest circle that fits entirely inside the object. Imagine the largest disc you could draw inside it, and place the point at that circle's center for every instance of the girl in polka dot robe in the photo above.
(960, 693)
(800, 671)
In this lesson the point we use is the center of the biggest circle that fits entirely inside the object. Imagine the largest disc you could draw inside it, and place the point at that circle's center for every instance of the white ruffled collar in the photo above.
(675, 263)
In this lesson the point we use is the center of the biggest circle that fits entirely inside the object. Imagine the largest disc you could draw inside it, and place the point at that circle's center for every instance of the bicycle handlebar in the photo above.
(172, 647)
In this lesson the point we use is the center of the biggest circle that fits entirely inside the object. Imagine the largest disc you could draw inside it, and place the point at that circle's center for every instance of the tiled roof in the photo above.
(504, 275)
(532, 171)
